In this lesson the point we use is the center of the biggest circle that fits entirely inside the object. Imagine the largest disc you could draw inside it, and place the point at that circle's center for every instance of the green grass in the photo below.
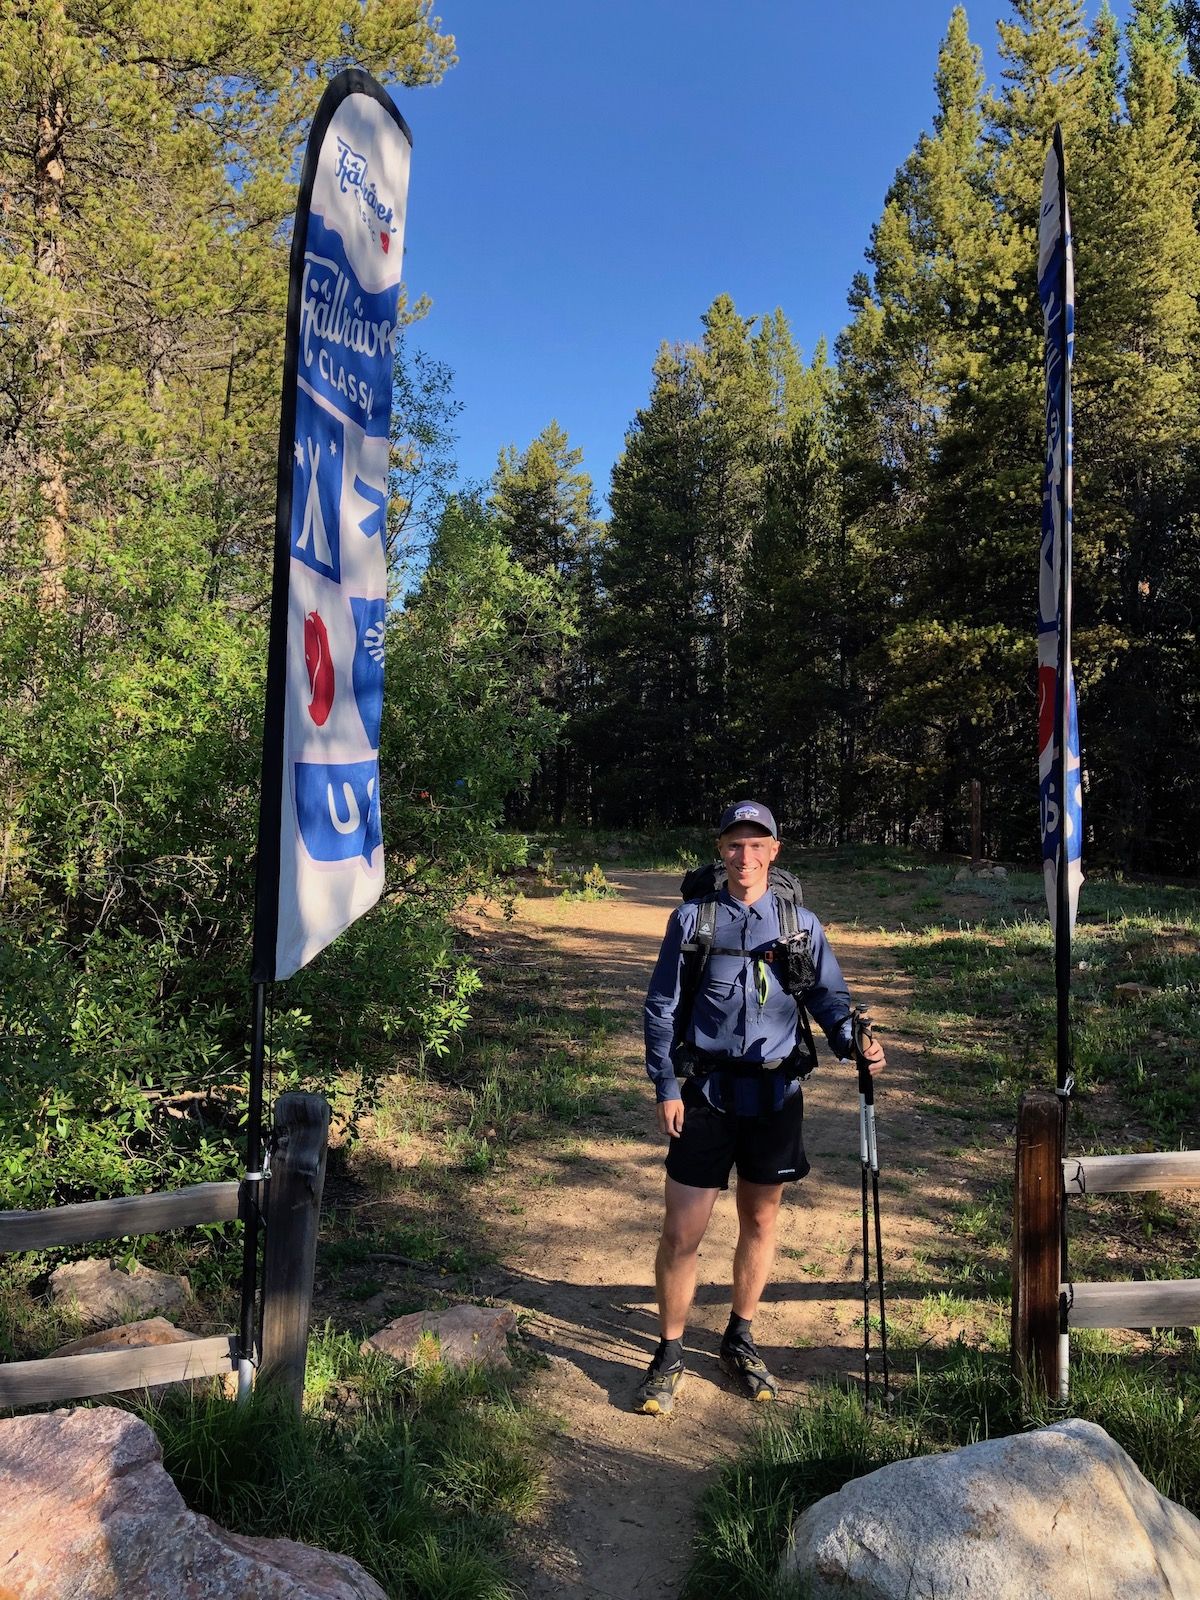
(800, 1455)
(416, 1474)
(984, 1001)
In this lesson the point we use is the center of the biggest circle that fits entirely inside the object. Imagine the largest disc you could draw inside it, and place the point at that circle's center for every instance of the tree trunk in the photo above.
(49, 258)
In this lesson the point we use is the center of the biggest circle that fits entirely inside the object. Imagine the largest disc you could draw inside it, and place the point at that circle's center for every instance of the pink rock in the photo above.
(462, 1336)
(104, 1294)
(87, 1512)
(129, 1336)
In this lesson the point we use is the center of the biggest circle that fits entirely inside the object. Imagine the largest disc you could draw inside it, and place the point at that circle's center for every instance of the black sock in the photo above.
(669, 1353)
(738, 1330)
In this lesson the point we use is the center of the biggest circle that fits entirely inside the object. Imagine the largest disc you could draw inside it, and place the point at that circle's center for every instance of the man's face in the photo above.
(747, 853)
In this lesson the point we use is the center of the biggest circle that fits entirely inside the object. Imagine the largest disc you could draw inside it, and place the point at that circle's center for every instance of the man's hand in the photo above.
(670, 1117)
(874, 1057)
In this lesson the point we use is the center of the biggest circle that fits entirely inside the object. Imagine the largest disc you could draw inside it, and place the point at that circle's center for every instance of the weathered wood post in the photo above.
(298, 1153)
(976, 820)
(1037, 1240)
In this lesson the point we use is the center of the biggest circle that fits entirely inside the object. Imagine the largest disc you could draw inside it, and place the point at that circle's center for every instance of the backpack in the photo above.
(790, 958)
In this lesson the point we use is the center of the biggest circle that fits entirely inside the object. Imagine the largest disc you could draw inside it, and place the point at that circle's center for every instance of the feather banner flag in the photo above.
(1058, 723)
(320, 846)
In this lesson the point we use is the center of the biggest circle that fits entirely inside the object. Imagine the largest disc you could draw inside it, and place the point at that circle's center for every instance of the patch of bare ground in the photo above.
(573, 1231)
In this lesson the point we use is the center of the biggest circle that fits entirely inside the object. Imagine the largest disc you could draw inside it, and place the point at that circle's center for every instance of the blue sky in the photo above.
(593, 172)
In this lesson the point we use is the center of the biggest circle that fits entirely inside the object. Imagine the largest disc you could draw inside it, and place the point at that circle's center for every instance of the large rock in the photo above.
(1060, 1514)
(87, 1512)
(104, 1294)
(459, 1337)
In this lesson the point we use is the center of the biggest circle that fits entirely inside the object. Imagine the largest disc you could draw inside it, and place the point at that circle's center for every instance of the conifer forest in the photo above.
(815, 575)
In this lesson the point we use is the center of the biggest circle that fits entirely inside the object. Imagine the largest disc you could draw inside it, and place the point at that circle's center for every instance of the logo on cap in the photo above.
(745, 811)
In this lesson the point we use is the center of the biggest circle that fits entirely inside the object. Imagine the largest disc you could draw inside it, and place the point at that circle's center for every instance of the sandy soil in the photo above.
(576, 1243)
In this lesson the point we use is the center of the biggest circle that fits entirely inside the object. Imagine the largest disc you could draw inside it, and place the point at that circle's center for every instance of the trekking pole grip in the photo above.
(862, 1034)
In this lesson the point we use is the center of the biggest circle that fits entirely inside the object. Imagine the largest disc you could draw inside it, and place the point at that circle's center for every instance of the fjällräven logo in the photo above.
(351, 173)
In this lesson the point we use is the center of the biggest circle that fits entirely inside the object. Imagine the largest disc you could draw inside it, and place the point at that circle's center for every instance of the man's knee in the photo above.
(758, 1207)
(685, 1221)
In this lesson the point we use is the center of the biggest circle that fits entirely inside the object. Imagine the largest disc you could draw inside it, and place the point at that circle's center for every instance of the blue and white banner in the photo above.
(320, 838)
(1059, 772)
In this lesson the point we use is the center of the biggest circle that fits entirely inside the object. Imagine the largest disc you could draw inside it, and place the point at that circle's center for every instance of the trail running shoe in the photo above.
(657, 1390)
(742, 1363)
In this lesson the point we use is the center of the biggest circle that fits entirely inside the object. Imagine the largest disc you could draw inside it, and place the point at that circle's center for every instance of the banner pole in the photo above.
(250, 1207)
(1062, 921)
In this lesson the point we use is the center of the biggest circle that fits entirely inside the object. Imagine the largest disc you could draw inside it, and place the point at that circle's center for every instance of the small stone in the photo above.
(104, 1294)
(462, 1336)
(999, 872)
(1130, 994)
(128, 1336)
(963, 875)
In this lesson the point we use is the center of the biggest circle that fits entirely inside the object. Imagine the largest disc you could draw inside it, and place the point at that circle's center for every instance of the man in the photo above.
(741, 1105)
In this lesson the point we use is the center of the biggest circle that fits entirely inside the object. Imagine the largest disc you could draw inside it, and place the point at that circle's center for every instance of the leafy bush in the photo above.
(129, 761)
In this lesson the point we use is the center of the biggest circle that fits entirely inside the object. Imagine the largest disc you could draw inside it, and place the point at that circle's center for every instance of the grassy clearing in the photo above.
(655, 850)
(983, 1007)
(800, 1455)
(984, 1001)
(417, 1474)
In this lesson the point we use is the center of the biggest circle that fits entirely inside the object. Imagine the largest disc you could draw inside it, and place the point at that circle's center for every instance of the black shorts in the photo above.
(766, 1149)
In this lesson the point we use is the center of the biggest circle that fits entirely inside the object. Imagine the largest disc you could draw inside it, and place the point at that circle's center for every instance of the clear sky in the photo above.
(594, 172)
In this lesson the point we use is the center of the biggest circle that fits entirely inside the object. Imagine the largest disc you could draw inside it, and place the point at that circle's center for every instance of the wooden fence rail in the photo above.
(56, 1378)
(1164, 1303)
(1161, 1169)
(300, 1143)
(112, 1219)
(1044, 1308)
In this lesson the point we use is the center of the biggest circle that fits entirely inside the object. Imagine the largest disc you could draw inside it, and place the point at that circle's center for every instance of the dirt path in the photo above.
(576, 1240)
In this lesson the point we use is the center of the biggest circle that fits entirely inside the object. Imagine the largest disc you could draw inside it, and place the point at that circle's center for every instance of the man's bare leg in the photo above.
(688, 1211)
(758, 1214)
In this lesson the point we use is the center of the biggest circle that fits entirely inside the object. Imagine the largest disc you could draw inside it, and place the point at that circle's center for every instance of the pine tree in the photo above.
(644, 737)
(542, 504)
(1138, 431)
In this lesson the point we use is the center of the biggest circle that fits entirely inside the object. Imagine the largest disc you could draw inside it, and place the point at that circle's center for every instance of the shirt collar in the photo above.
(740, 906)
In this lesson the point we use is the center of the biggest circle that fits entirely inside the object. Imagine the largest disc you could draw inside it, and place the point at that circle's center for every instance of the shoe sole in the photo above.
(762, 1393)
(659, 1408)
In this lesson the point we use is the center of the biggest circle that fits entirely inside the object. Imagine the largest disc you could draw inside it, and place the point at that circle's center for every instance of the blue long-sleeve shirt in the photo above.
(727, 1018)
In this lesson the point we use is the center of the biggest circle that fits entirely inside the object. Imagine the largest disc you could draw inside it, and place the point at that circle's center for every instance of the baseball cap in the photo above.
(752, 812)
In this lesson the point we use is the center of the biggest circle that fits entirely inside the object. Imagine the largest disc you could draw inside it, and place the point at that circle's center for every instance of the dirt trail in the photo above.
(576, 1239)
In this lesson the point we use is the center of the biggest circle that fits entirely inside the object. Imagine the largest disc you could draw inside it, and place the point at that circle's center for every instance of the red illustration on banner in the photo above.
(320, 668)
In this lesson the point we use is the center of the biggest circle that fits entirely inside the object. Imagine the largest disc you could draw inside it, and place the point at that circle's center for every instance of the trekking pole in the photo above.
(869, 1152)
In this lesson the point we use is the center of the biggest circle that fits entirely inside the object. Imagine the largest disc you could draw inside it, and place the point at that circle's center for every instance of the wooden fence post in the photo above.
(298, 1153)
(1037, 1240)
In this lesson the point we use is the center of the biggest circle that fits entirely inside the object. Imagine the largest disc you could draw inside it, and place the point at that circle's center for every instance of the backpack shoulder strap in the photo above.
(785, 910)
(696, 952)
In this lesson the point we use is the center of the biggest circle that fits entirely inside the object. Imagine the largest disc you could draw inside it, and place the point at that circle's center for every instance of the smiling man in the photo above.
(726, 1048)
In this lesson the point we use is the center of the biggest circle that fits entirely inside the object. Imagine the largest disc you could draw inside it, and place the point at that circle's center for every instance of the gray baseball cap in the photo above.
(752, 812)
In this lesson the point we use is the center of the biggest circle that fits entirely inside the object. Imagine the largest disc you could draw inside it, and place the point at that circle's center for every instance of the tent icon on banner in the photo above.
(317, 488)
